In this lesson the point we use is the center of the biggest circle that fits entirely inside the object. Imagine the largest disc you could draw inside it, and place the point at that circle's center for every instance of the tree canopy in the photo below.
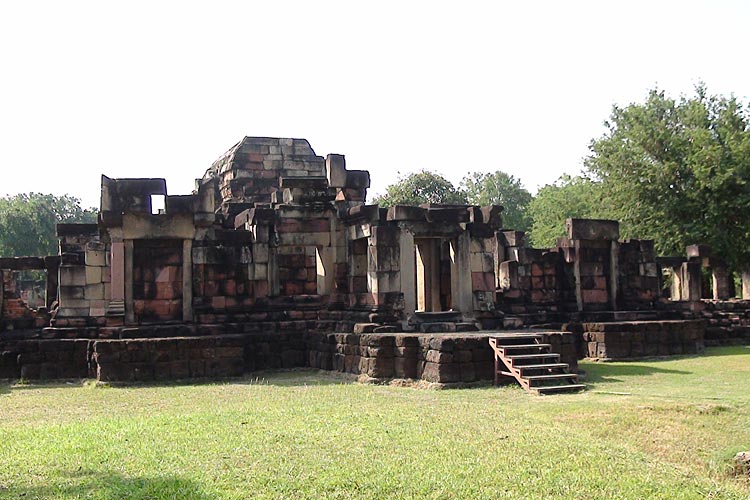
(673, 170)
(568, 197)
(677, 171)
(421, 187)
(27, 222)
(499, 188)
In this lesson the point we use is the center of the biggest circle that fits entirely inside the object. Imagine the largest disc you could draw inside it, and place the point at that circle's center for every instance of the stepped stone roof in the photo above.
(249, 172)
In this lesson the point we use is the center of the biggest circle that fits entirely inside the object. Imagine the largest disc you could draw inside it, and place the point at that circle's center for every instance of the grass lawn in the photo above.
(659, 429)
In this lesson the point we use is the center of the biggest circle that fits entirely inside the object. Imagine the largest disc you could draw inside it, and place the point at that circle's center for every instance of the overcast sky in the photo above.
(161, 89)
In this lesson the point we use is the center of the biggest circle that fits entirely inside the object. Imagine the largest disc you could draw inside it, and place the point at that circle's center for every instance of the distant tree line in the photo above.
(673, 170)
(27, 222)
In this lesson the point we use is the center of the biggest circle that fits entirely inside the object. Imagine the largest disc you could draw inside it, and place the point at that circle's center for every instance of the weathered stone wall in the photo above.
(728, 322)
(639, 283)
(224, 276)
(250, 170)
(44, 359)
(638, 339)
(157, 280)
(196, 357)
(440, 358)
(84, 275)
(15, 312)
(153, 353)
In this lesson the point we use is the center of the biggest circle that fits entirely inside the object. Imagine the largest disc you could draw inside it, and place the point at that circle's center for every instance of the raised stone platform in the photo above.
(640, 339)
(437, 358)
(171, 352)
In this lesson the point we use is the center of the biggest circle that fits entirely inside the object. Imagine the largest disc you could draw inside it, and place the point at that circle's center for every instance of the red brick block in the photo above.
(484, 282)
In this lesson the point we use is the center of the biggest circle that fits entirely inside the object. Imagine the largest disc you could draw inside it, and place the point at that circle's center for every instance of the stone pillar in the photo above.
(577, 273)
(117, 265)
(746, 285)
(187, 280)
(461, 284)
(690, 277)
(614, 273)
(675, 291)
(407, 271)
(128, 274)
(721, 288)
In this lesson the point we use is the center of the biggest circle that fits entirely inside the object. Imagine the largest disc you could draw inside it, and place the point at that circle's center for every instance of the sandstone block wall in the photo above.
(727, 322)
(637, 339)
(441, 359)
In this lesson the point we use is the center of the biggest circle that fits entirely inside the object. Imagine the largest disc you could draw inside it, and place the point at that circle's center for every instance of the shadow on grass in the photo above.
(110, 486)
(292, 377)
(607, 372)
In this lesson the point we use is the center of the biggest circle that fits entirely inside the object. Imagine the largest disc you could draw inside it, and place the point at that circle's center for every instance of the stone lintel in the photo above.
(406, 213)
(592, 229)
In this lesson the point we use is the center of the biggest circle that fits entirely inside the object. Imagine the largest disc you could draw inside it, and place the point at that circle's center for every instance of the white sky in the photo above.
(161, 89)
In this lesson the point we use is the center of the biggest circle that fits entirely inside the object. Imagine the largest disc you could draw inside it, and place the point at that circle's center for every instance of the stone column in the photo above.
(746, 285)
(187, 280)
(129, 312)
(721, 288)
(461, 284)
(116, 306)
(577, 273)
(407, 272)
(675, 291)
(614, 273)
(691, 281)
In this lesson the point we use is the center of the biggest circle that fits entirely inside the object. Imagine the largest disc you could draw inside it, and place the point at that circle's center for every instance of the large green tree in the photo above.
(421, 187)
(27, 222)
(499, 188)
(677, 171)
(568, 197)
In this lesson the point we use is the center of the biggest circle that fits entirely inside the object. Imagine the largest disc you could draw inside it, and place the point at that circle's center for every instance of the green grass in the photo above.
(661, 429)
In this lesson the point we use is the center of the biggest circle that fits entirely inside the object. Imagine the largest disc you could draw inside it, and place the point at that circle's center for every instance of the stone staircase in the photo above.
(532, 364)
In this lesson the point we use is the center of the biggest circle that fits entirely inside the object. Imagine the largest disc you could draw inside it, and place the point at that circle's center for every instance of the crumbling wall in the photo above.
(727, 322)
(84, 276)
(15, 312)
(639, 275)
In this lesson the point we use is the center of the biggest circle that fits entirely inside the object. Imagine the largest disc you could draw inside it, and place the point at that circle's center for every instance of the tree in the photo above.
(567, 197)
(421, 187)
(499, 188)
(677, 171)
(27, 222)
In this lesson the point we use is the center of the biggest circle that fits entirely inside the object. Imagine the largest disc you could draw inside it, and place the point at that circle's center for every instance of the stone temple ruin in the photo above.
(276, 261)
